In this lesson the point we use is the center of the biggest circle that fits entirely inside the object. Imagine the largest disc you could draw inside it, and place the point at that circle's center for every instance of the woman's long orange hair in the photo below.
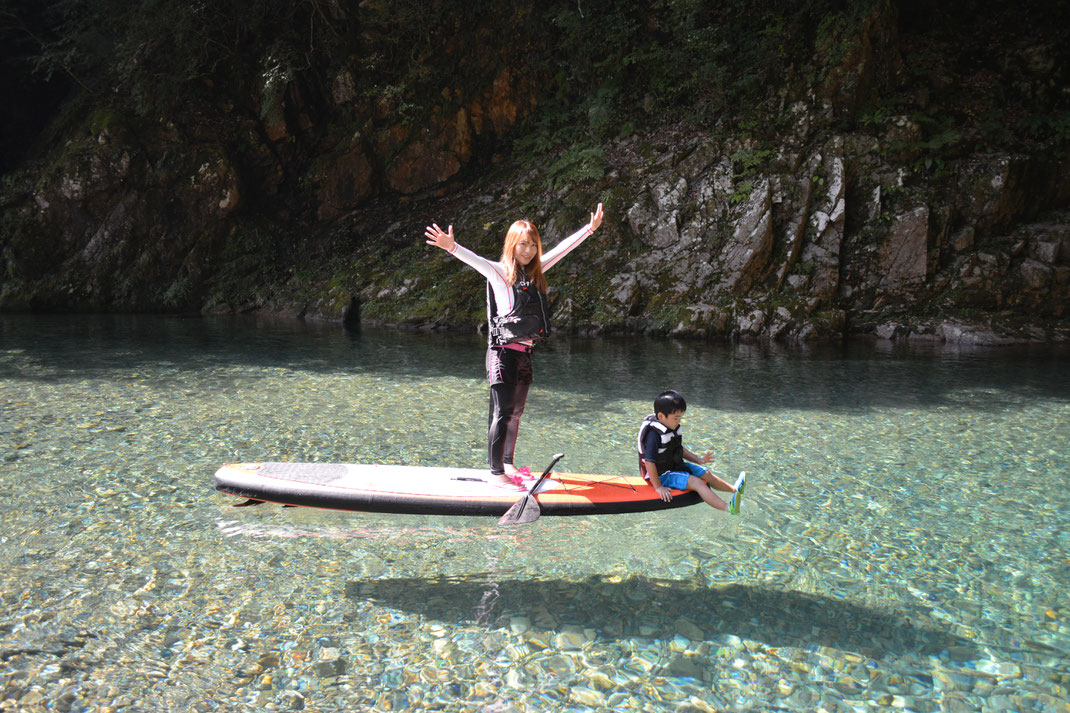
(518, 231)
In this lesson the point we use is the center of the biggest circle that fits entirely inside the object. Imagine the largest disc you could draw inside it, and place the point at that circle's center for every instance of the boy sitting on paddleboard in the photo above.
(663, 458)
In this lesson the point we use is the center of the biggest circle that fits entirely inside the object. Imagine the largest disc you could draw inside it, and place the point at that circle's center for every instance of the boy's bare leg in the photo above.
(699, 486)
(717, 483)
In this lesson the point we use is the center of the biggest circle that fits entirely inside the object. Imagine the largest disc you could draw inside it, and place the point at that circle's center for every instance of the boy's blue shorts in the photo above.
(677, 479)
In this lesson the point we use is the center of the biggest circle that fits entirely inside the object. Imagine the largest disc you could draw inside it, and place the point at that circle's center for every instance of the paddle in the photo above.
(526, 509)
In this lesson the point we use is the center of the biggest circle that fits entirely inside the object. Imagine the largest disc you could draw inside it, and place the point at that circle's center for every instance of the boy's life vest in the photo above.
(529, 319)
(670, 455)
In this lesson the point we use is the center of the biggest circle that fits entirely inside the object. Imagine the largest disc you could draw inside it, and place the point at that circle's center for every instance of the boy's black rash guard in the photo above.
(501, 291)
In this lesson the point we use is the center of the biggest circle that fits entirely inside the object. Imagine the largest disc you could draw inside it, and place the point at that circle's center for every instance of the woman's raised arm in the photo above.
(440, 238)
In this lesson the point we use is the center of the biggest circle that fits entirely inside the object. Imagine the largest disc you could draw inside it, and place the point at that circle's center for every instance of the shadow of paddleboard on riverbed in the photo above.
(641, 607)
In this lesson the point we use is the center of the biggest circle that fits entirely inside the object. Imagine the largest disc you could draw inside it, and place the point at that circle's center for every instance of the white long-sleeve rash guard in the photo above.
(494, 271)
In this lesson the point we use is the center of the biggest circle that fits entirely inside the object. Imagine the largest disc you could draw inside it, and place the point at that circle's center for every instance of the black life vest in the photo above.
(529, 320)
(670, 455)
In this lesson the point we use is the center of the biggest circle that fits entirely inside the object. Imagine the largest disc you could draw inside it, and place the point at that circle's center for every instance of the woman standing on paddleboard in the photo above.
(517, 319)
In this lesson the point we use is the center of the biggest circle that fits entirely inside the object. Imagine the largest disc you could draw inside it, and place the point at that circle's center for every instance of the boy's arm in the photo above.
(704, 459)
(655, 481)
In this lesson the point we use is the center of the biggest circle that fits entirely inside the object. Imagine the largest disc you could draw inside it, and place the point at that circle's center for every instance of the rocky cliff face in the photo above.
(840, 215)
(833, 237)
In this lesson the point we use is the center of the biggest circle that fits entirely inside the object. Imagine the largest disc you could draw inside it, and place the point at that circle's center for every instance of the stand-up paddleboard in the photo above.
(436, 491)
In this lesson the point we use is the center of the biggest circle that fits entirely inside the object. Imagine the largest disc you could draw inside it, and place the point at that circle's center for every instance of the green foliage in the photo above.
(745, 163)
(578, 164)
(1054, 126)
(247, 260)
(617, 67)
(839, 31)
(876, 117)
(835, 37)
(994, 130)
(934, 149)
(101, 121)
(156, 56)
(741, 192)
(602, 68)
(178, 293)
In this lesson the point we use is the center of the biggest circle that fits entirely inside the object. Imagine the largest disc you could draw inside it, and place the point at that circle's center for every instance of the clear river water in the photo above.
(904, 543)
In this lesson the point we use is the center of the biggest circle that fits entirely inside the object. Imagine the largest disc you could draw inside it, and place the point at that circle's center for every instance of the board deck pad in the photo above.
(435, 491)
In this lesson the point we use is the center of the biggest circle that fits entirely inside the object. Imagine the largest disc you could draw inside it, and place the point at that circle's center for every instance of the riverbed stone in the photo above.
(689, 629)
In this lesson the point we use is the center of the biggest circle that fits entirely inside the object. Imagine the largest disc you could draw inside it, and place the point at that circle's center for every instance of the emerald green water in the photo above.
(903, 544)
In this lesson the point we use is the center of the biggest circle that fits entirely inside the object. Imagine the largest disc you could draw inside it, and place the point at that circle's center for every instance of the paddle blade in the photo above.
(524, 510)
(527, 509)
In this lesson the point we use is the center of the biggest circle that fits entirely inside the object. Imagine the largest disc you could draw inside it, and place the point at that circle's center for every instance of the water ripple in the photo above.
(903, 543)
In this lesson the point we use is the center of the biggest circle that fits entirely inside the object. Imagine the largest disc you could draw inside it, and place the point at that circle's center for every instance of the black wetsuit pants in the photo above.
(509, 372)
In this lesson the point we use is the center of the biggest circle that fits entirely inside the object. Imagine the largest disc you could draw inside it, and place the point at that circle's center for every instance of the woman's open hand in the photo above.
(437, 236)
(596, 218)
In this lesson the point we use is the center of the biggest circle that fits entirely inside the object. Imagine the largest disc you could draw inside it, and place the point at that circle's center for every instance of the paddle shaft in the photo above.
(557, 457)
